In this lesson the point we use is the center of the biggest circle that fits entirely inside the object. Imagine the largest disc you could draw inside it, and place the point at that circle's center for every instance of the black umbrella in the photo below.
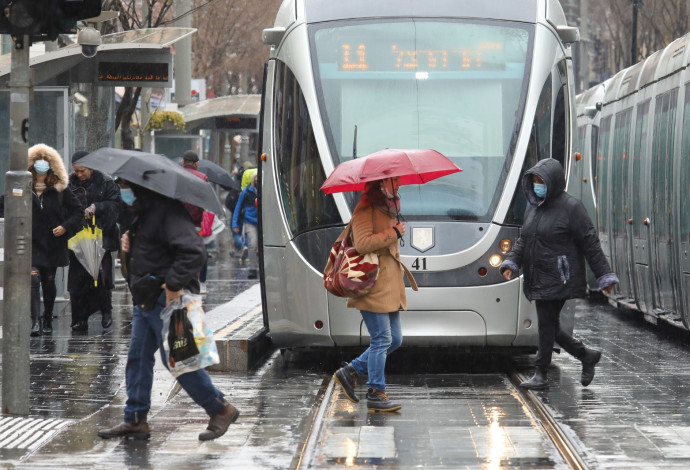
(157, 173)
(219, 175)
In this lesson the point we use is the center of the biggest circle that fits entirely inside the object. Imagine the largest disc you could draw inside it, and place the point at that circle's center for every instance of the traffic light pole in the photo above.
(17, 266)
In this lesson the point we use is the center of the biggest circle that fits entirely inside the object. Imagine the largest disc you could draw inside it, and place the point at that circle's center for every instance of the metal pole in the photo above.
(17, 268)
(183, 56)
(633, 50)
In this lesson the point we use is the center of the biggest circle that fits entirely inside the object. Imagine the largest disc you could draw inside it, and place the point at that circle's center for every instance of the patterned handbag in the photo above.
(349, 273)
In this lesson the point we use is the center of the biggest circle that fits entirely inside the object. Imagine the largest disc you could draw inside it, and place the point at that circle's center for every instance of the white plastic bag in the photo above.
(188, 342)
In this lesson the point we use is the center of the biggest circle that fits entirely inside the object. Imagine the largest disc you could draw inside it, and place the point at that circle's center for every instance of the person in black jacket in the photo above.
(556, 238)
(56, 215)
(165, 256)
(100, 196)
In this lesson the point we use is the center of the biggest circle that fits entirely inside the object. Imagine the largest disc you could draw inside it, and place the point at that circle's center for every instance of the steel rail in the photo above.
(564, 445)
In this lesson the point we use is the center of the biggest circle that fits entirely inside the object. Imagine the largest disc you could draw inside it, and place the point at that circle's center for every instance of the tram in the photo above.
(639, 124)
(488, 84)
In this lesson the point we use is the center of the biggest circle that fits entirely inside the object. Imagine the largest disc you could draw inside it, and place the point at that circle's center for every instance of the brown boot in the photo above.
(219, 424)
(138, 430)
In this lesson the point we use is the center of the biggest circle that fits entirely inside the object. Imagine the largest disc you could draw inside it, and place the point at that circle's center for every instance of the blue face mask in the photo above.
(41, 167)
(127, 196)
(540, 190)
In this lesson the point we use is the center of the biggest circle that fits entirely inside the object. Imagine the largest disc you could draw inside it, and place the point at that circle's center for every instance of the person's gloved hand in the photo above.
(90, 211)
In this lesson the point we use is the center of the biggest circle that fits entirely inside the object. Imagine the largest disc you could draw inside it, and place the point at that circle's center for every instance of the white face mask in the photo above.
(41, 167)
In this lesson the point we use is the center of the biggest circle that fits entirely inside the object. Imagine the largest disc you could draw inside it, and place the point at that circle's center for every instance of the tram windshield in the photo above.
(454, 86)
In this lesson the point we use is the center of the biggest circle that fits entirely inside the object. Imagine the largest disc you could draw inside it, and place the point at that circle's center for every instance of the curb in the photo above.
(239, 332)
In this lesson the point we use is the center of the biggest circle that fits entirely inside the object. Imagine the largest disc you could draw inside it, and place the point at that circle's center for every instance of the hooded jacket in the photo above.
(556, 238)
(101, 191)
(53, 208)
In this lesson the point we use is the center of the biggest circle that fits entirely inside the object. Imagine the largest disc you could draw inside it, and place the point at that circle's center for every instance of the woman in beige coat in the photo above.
(375, 229)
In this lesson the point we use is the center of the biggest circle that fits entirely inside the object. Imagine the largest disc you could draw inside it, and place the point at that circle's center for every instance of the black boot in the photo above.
(36, 327)
(589, 360)
(81, 325)
(107, 319)
(537, 382)
(47, 323)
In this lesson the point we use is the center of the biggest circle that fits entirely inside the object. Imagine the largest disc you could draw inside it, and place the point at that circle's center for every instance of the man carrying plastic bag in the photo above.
(165, 257)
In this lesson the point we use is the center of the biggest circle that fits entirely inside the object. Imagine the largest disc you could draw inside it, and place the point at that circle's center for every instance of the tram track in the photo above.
(566, 448)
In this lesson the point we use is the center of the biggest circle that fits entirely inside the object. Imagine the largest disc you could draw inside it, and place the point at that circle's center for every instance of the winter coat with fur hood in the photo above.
(556, 238)
(53, 208)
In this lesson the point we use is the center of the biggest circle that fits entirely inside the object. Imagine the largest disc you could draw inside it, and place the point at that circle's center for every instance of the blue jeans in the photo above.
(386, 336)
(146, 339)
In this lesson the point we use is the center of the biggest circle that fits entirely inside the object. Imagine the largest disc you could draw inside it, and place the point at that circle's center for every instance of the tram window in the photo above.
(685, 172)
(662, 168)
(639, 156)
(559, 128)
(300, 172)
(542, 121)
(518, 205)
(593, 155)
(602, 174)
(619, 191)
(408, 84)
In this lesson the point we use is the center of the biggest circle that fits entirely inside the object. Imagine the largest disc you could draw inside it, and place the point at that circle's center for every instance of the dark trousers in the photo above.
(548, 316)
(44, 279)
(85, 297)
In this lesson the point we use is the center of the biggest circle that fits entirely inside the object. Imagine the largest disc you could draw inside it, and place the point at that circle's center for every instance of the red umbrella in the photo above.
(413, 166)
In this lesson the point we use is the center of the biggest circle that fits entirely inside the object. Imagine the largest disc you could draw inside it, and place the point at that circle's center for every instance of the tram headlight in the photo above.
(505, 245)
(495, 260)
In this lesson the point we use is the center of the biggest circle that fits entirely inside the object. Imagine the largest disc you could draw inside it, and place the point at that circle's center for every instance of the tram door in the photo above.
(662, 200)
(619, 204)
(640, 209)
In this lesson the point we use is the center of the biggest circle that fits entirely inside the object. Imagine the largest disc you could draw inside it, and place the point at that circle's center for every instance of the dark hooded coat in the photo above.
(54, 207)
(556, 238)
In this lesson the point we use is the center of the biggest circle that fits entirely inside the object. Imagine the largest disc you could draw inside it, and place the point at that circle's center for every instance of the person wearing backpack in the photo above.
(245, 221)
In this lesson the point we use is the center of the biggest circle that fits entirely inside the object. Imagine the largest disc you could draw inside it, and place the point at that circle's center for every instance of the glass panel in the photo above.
(685, 172)
(621, 143)
(300, 172)
(455, 86)
(602, 172)
(593, 154)
(639, 157)
(47, 124)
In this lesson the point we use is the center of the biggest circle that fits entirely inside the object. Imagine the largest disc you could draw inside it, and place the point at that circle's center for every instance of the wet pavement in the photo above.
(459, 411)
(636, 412)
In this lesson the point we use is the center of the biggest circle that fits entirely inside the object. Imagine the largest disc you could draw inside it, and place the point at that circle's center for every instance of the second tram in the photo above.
(488, 84)
(639, 123)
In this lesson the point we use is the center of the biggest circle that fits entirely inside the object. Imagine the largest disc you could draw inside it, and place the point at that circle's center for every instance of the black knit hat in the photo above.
(78, 155)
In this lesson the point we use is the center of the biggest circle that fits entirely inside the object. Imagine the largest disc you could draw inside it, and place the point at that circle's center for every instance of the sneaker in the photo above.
(346, 377)
(379, 401)
(244, 253)
(202, 288)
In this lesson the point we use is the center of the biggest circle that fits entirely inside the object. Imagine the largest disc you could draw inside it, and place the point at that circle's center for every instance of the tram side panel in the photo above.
(683, 215)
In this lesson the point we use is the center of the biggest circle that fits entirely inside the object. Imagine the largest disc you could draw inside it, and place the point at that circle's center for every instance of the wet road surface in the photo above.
(458, 411)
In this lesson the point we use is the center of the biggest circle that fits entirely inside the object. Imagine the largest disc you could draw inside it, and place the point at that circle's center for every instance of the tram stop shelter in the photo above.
(232, 119)
(73, 101)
